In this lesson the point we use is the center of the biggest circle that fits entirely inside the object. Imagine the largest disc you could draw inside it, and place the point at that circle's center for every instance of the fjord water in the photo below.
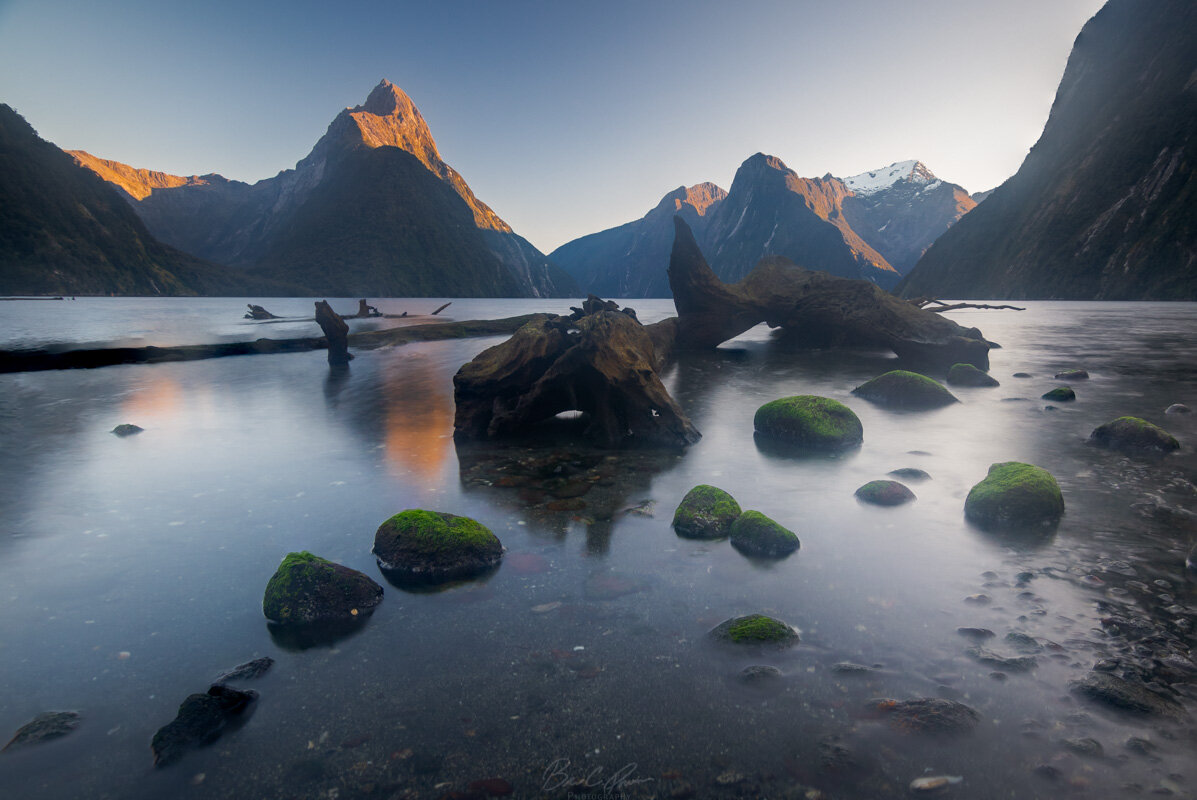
(132, 570)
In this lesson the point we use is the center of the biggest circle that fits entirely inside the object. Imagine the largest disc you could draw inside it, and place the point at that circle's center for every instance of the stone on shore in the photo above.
(755, 534)
(809, 421)
(435, 546)
(306, 588)
(706, 512)
(902, 389)
(1014, 494)
(201, 720)
(1133, 435)
(1124, 695)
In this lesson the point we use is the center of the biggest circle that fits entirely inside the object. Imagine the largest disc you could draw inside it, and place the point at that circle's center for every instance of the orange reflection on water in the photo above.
(419, 418)
(157, 396)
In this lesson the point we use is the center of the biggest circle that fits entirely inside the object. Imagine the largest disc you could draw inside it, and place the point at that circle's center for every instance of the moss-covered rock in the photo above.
(1061, 394)
(968, 375)
(901, 389)
(1131, 434)
(434, 546)
(755, 629)
(1072, 375)
(809, 421)
(706, 512)
(754, 534)
(306, 588)
(884, 493)
(1014, 494)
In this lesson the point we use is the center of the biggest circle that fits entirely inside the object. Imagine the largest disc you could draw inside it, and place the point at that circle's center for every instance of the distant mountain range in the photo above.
(373, 210)
(873, 226)
(65, 231)
(1105, 204)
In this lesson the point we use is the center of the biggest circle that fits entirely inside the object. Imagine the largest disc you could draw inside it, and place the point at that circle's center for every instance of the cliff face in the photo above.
(1105, 204)
(294, 224)
(63, 230)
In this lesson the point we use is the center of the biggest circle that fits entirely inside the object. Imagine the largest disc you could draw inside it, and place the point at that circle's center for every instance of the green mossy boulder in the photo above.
(755, 629)
(434, 546)
(306, 588)
(884, 493)
(968, 375)
(901, 389)
(1014, 494)
(1061, 394)
(809, 421)
(706, 512)
(754, 534)
(1133, 435)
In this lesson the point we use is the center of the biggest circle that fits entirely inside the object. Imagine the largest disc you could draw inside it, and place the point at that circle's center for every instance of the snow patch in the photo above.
(877, 180)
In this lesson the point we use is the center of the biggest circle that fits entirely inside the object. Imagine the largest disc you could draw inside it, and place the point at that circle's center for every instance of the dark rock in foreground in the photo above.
(44, 727)
(884, 493)
(306, 588)
(755, 534)
(201, 720)
(809, 422)
(1014, 494)
(127, 429)
(929, 715)
(968, 375)
(435, 546)
(1133, 435)
(706, 512)
(902, 389)
(248, 671)
(1124, 695)
(755, 629)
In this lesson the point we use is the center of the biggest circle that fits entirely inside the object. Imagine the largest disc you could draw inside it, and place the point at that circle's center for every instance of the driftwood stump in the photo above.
(336, 331)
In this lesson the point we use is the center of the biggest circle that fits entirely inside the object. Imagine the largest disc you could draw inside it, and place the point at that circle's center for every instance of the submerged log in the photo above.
(813, 308)
(601, 362)
(439, 308)
(257, 312)
(336, 331)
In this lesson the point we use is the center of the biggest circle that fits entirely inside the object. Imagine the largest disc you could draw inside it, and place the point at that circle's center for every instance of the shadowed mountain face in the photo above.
(1105, 204)
(873, 226)
(297, 224)
(65, 231)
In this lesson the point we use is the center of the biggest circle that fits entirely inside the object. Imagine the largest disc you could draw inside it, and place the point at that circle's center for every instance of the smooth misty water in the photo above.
(132, 570)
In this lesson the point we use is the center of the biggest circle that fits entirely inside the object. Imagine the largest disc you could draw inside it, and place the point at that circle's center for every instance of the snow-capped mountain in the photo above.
(877, 180)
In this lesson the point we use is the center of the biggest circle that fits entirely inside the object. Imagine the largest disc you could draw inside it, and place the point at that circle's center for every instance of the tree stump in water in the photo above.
(336, 331)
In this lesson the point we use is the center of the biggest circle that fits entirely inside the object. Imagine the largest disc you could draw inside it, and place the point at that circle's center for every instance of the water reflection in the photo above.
(297, 638)
(418, 411)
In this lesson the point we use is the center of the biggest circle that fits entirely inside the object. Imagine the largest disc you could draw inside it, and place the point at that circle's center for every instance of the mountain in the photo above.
(63, 230)
(371, 210)
(1105, 204)
(630, 260)
(901, 209)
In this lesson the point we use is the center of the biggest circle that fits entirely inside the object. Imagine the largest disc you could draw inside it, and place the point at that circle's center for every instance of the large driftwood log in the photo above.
(813, 308)
(601, 362)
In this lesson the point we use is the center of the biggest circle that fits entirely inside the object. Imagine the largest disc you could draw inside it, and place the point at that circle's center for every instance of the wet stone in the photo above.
(1086, 746)
(910, 474)
(200, 720)
(1023, 643)
(976, 633)
(932, 715)
(1010, 664)
(758, 675)
(44, 727)
(849, 668)
(127, 429)
(1125, 695)
(247, 671)
(1178, 408)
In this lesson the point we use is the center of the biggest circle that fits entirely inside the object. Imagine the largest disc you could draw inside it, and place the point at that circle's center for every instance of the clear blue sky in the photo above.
(566, 118)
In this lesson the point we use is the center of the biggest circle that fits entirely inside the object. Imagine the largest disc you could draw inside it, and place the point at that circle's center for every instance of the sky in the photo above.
(565, 117)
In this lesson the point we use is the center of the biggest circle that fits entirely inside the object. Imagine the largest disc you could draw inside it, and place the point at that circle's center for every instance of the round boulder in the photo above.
(1014, 494)
(755, 629)
(754, 534)
(884, 493)
(1061, 394)
(809, 421)
(434, 546)
(968, 375)
(901, 389)
(307, 588)
(127, 429)
(706, 512)
(1131, 434)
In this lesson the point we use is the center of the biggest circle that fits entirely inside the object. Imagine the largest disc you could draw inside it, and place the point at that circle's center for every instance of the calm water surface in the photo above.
(132, 570)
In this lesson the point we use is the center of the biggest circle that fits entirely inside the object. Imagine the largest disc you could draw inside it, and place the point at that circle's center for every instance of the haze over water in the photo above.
(133, 569)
